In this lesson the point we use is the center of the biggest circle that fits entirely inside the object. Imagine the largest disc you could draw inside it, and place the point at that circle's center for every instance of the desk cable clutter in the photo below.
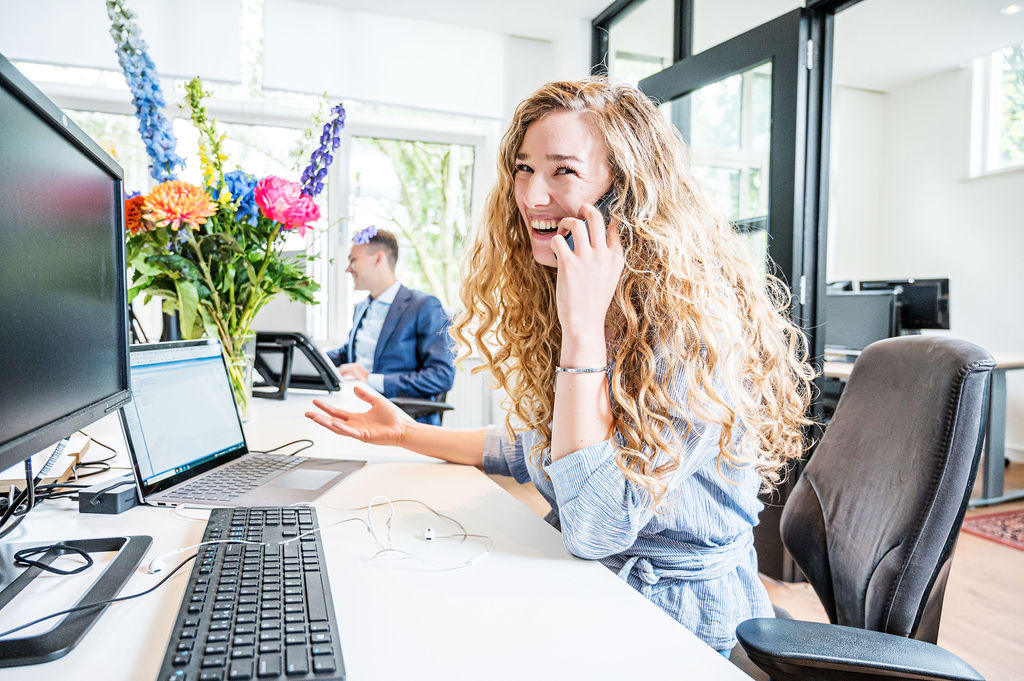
(384, 546)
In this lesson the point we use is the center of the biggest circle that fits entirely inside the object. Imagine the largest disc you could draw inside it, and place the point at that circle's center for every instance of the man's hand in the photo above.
(353, 370)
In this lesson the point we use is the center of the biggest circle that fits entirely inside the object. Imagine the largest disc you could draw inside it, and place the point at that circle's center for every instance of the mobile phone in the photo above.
(604, 206)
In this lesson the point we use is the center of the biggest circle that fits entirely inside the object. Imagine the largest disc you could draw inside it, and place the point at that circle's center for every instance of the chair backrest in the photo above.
(874, 517)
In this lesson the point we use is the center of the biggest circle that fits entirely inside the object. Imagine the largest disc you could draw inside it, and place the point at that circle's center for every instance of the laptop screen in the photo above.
(182, 419)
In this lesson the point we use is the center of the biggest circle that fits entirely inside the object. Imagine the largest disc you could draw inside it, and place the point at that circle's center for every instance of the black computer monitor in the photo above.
(923, 303)
(63, 335)
(855, 320)
(63, 306)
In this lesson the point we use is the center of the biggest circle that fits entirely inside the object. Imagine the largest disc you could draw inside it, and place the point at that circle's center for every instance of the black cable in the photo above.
(108, 447)
(309, 443)
(16, 501)
(20, 496)
(13, 526)
(102, 468)
(99, 603)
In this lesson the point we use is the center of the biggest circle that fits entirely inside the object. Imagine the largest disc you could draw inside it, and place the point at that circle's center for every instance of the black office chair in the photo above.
(873, 519)
(417, 407)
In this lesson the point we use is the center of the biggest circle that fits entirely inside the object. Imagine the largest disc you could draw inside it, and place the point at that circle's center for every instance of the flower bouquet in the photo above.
(215, 253)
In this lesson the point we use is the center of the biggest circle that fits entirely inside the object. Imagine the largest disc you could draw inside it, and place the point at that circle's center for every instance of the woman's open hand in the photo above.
(382, 424)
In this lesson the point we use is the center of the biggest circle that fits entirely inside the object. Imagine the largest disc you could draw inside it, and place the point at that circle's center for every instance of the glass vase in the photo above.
(240, 358)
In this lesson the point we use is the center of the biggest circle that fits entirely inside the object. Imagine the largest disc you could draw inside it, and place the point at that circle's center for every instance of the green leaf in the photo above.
(188, 305)
(138, 287)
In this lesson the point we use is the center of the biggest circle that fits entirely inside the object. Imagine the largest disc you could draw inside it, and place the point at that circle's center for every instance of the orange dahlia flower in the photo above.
(133, 220)
(175, 203)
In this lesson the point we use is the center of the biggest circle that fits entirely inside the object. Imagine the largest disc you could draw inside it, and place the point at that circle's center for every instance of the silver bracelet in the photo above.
(582, 370)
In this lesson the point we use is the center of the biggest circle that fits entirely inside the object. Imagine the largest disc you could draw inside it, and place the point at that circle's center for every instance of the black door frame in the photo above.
(796, 152)
(682, 32)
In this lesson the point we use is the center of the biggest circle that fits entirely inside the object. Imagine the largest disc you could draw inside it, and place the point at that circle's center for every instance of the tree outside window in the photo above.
(1011, 111)
(422, 192)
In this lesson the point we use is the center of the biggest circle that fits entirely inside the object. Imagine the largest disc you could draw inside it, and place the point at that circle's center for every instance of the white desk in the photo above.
(529, 610)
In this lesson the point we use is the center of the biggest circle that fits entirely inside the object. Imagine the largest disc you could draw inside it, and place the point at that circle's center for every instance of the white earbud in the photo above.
(428, 533)
(156, 566)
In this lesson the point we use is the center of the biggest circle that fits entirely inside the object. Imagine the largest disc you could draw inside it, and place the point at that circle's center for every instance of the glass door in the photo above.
(748, 109)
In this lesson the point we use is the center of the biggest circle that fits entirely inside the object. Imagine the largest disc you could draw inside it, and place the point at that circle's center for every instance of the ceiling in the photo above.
(879, 44)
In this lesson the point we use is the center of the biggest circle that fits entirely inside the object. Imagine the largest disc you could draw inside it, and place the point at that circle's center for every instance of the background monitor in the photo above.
(855, 320)
(64, 329)
(923, 303)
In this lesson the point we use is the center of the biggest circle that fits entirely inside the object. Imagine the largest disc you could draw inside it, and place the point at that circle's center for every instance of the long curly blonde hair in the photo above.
(698, 332)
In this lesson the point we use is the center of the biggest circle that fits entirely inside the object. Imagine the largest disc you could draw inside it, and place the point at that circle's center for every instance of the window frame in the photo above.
(986, 117)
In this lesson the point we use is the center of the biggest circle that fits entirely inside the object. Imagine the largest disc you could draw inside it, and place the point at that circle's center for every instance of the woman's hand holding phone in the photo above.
(603, 206)
(587, 279)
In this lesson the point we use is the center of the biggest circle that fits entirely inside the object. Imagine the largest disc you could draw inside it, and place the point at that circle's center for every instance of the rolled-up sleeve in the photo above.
(600, 511)
(503, 456)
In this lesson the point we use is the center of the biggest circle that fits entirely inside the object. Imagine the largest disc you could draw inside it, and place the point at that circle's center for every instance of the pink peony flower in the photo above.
(284, 202)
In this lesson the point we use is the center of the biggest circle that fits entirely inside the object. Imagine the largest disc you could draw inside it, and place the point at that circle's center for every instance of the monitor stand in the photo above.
(60, 639)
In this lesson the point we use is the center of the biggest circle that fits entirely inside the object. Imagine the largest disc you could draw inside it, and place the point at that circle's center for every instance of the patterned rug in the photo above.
(1006, 528)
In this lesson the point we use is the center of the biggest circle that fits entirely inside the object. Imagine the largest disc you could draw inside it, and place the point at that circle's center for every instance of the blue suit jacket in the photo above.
(413, 353)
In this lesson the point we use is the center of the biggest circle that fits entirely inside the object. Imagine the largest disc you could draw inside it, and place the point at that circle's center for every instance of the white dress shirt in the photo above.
(369, 331)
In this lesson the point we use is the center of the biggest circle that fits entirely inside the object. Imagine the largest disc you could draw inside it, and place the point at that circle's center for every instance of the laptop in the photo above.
(186, 442)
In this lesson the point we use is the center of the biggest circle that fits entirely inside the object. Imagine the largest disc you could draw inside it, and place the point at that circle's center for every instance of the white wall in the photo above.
(186, 37)
(310, 47)
(902, 205)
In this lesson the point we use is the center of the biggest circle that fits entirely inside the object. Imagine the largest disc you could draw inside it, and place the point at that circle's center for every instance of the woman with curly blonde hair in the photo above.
(654, 379)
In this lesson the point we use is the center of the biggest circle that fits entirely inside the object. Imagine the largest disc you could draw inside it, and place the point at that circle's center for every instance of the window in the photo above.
(730, 127)
(998, 111)
(421, 191)
(118, 135)
(640, 40)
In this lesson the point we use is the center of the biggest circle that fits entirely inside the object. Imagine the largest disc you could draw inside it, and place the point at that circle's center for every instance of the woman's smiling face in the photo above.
(561, 165)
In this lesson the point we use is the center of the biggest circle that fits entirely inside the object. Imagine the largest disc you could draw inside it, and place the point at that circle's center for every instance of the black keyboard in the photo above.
(257, 612)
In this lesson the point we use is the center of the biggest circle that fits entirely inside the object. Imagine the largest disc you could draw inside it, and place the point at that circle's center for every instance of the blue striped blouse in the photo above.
(695, 560)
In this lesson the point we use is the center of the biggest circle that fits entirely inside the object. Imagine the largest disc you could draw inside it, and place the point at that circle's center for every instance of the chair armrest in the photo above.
(791, 649)
(416, 407)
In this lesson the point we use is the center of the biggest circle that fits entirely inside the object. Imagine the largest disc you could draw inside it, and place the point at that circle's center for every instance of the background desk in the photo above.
(995, 430)
(529, 610)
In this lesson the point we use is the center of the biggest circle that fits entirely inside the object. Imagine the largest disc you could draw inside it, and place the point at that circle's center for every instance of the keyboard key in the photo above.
(324, 664)
(240, 669)
(269, 666)
(316, 604)
(295, 660)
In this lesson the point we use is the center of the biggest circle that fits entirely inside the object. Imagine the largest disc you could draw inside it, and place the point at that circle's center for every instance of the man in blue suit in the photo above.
(399, 339)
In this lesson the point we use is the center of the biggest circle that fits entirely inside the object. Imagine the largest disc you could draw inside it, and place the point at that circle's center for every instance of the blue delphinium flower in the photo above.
(242, 186)
(141, 75)
(330, 139)
(363, 236)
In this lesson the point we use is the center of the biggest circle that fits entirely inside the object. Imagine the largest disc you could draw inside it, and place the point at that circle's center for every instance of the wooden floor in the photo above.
(983, 612)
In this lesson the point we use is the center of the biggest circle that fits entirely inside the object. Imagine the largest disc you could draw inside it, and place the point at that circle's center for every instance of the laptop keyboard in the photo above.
(232, 481)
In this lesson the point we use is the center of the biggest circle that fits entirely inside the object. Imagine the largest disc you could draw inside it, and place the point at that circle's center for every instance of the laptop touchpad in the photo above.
(304, 479)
